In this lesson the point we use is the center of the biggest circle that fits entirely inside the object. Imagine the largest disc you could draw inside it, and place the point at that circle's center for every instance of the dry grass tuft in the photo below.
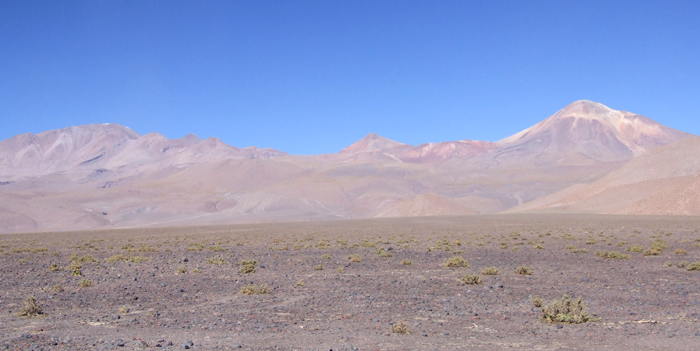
(31, 308)
(523, 270)
(471, 279)
(216, 260)
(247, 266)
(635, 248)
(489, 271)
(567, 310)
(318, 267)
(400, 328)
(252, 289)
(537, 301)
(456, 261)
(612, 254)
(85, 283)
(301, 283)
(695, 266)
(652, 252)
(355, 258)
(406, 262)
(680, 252)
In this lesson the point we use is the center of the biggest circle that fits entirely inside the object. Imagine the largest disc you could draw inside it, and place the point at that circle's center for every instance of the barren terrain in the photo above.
(178, 288)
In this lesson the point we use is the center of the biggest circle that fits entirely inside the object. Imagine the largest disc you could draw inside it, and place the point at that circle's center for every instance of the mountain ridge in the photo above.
(108, 176)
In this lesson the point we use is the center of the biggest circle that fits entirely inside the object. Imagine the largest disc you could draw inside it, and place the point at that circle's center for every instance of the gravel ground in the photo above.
(179, 288)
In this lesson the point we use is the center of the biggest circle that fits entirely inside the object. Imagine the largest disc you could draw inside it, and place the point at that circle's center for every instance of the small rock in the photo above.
(120, 343)
(560, 326)
(187, 344)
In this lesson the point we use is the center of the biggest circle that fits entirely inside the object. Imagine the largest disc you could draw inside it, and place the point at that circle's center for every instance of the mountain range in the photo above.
(584, 158)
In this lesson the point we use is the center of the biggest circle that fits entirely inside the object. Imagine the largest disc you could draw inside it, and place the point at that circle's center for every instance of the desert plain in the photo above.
(359, 284)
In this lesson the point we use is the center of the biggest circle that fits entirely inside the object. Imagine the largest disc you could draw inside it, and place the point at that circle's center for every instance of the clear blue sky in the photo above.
(312, 77)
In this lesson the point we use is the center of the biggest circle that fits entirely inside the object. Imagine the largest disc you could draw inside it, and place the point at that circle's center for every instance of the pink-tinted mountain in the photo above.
(106, 176)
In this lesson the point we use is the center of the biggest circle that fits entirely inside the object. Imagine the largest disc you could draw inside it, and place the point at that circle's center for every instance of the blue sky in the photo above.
(311, 77)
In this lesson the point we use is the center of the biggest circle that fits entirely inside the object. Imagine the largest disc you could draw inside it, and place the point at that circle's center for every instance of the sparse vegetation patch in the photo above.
(567, 310)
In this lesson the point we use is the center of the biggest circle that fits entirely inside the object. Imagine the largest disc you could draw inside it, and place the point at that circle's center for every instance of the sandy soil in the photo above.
(353, 305)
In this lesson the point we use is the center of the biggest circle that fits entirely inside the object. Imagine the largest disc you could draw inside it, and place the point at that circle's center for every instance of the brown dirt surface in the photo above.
(181, 288)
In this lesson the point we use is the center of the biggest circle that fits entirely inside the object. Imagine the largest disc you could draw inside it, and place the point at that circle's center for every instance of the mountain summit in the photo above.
(587, 130)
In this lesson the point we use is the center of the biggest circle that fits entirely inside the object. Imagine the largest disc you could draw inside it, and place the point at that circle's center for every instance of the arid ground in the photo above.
(179, 288)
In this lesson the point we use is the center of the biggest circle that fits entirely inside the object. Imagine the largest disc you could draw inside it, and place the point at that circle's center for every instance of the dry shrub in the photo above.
(301, 283)
(31, 308)
(325, 257)
(216, 260)
(401, 328)
(83, 259)
(252, 289)
(355, 258)
(318, 267)
(75, 269)
(115, 259)
(537, 301)
(217, 248)
(659, 245)
(652, 252)
(471, 279)
(182, 270)
(195, 247)
(695, 266)
(668, 264)
(612, 254)
(85, 283)
(406, 262)
(489, 271)
(456, 261)
(680, 252)
(57, 288)
(247, 266)
(383, 253)
(539, 247)
(523, 270)
(635, 248)
(681, 264)
(566, 310)
(54, 267)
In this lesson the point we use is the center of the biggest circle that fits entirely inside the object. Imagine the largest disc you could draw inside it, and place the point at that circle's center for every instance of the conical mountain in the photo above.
(587, 132)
